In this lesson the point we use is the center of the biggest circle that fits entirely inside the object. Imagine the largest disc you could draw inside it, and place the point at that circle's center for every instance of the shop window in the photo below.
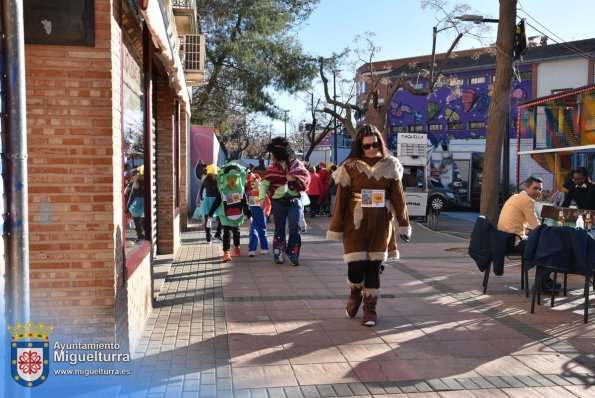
(134, 149)
(415, 128)
(455, 126)
(477, 125)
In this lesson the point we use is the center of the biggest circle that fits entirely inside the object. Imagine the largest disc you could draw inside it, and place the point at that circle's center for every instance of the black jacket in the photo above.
(487, 245)
(584, 197)
(562, 249)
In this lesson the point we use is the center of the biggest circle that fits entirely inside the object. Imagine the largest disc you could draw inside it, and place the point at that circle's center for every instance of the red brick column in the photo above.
(164, 114)
(184, 189)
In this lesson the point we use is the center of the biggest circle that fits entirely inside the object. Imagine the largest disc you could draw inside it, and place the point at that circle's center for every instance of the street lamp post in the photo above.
(476, 19)
(270, 132)
(303, 123)
(285, 119)
(335, 150)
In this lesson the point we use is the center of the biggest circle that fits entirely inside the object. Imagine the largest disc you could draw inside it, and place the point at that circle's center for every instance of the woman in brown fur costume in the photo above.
(369, 196)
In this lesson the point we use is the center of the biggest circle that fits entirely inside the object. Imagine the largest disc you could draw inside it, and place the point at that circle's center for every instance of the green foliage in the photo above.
(251, 51)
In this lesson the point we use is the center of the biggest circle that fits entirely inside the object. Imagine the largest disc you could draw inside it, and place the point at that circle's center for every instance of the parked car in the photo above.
(441, 198)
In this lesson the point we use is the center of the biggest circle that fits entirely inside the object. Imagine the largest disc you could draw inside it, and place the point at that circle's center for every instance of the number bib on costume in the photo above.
(233, 198)
(253, 201)
(372, 197)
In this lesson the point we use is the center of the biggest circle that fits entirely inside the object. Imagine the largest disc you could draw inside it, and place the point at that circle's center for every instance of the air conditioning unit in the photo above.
(193, 59)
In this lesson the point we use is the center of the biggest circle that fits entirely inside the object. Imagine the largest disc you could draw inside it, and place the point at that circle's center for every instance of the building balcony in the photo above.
(185, 16)
(192, 54)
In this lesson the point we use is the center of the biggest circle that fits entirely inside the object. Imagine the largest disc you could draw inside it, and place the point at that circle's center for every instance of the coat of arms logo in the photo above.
(30, 353)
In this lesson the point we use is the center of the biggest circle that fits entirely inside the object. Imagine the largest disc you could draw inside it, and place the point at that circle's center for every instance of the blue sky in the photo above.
(402, 29)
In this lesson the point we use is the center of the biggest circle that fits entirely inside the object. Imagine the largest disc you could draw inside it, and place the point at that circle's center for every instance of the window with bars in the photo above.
(454, 126)
(415, 128)
(434, 126)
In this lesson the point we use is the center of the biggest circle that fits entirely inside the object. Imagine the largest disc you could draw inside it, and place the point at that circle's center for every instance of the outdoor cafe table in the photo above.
(570, 215)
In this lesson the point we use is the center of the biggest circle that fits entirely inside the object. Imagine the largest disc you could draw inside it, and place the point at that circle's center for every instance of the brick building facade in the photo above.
(96, 115)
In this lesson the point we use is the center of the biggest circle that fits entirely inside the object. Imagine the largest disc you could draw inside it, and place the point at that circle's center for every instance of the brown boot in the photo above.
(370, 300)
(355, 299)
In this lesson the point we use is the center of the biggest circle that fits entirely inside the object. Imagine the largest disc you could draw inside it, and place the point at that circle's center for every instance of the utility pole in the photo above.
(285, 119)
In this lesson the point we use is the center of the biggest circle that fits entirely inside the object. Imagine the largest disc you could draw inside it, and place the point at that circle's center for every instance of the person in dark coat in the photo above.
(581, 191)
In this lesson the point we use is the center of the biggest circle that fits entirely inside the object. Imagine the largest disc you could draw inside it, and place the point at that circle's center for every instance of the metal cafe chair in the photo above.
(561, 250)
(485, 252)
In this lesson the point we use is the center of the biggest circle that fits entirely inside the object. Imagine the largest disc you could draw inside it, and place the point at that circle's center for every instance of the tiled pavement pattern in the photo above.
(250, 328)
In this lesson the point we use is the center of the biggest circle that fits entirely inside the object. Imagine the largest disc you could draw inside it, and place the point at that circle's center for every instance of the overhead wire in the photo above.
(563, 43)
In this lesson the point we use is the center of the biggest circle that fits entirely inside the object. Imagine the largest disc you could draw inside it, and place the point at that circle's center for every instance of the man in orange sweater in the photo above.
(517, 214)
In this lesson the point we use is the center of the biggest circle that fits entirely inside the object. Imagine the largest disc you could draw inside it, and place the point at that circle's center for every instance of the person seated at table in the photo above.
(558, 197)
(518, 213)
(581, 191)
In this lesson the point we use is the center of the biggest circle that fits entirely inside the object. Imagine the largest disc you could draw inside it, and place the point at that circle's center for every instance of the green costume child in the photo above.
(231, 205)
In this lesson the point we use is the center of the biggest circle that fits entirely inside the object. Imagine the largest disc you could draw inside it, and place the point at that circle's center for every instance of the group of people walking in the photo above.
(320, 189)
(365, 196)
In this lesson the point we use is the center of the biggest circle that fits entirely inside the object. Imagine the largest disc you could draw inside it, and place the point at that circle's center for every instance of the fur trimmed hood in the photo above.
(389, 168)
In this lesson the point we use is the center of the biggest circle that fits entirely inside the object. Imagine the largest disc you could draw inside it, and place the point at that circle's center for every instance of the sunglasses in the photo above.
(374, 145)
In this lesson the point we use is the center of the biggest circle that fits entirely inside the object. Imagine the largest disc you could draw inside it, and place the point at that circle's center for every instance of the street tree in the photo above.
(380, 88)
(234, 143)
(310, 129)
(295, 136)
(258, 139)
(373, 101)
(246, 137)
(250, 51)
(498, 114)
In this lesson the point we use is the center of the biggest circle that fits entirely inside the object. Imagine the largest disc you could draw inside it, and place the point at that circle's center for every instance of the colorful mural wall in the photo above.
(452, 112)
(205, 148)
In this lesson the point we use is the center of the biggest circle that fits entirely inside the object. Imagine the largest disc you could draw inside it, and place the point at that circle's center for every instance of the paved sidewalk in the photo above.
(250, 328)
